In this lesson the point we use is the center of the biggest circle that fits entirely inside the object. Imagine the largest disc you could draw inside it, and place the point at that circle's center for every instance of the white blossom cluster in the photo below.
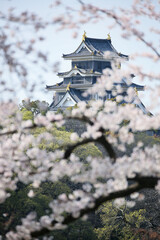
(22, 160)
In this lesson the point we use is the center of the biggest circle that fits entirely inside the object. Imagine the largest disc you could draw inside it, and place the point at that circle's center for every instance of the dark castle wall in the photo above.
(78, 79)
(95, 65)
(75, 126)
(79, 127)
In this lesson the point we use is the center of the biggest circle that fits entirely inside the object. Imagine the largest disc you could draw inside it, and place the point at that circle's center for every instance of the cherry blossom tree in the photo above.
(109, 124)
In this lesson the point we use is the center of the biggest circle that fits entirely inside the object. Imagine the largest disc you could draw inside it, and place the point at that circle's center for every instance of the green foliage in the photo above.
(119, 223)
(35, 107)
(82, 230)
(26, 114)
(59, 111)
(135, 218)
(69, 108)
(30, 108)
(62, 138)
(53, 190)
(88, 149)
(18, 205)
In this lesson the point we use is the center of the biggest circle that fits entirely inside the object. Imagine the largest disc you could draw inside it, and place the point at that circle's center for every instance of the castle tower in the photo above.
(87, 63)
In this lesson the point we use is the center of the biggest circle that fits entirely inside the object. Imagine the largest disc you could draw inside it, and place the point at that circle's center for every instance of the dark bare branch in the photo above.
(4, 133)
(101, 140)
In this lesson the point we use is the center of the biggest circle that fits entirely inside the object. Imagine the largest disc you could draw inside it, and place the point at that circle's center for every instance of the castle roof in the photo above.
(133, 85)
(72, 95)
(62, 87)
(95, 47)
(57, 85)
(82, 72)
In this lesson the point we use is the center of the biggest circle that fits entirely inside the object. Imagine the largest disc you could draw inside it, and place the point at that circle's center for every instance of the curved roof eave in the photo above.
(69, 73)
(55, 85)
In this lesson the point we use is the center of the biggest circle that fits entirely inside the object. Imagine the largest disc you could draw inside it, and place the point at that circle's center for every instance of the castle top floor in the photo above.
(95, 49)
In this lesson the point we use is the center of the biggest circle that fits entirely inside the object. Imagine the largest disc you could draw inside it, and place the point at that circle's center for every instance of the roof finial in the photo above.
(136, 91)
(109, 37)
(119, 66)
(68, 87)
(84, 36)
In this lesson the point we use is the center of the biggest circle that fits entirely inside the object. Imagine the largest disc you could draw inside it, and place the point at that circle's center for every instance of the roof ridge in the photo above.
(98, 38)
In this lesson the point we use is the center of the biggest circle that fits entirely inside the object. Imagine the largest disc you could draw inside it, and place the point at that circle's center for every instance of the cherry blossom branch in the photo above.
(8, 132)
(148, 44)
(81, 118)
(134, 31)
(94, 10)
(141, 182)
(101, 140)
(16, 130)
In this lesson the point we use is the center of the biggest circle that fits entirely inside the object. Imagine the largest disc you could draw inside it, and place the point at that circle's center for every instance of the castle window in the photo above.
(109, 95)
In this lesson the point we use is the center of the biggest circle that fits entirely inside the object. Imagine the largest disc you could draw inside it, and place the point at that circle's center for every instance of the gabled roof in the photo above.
(74, 96)
(140, 105)
(96, 47)
(101, 45)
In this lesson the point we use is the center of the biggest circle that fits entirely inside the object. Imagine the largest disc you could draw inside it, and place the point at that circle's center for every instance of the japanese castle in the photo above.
(88, 63)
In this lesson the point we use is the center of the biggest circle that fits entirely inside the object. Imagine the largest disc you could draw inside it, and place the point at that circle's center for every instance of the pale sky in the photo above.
(61, 42)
